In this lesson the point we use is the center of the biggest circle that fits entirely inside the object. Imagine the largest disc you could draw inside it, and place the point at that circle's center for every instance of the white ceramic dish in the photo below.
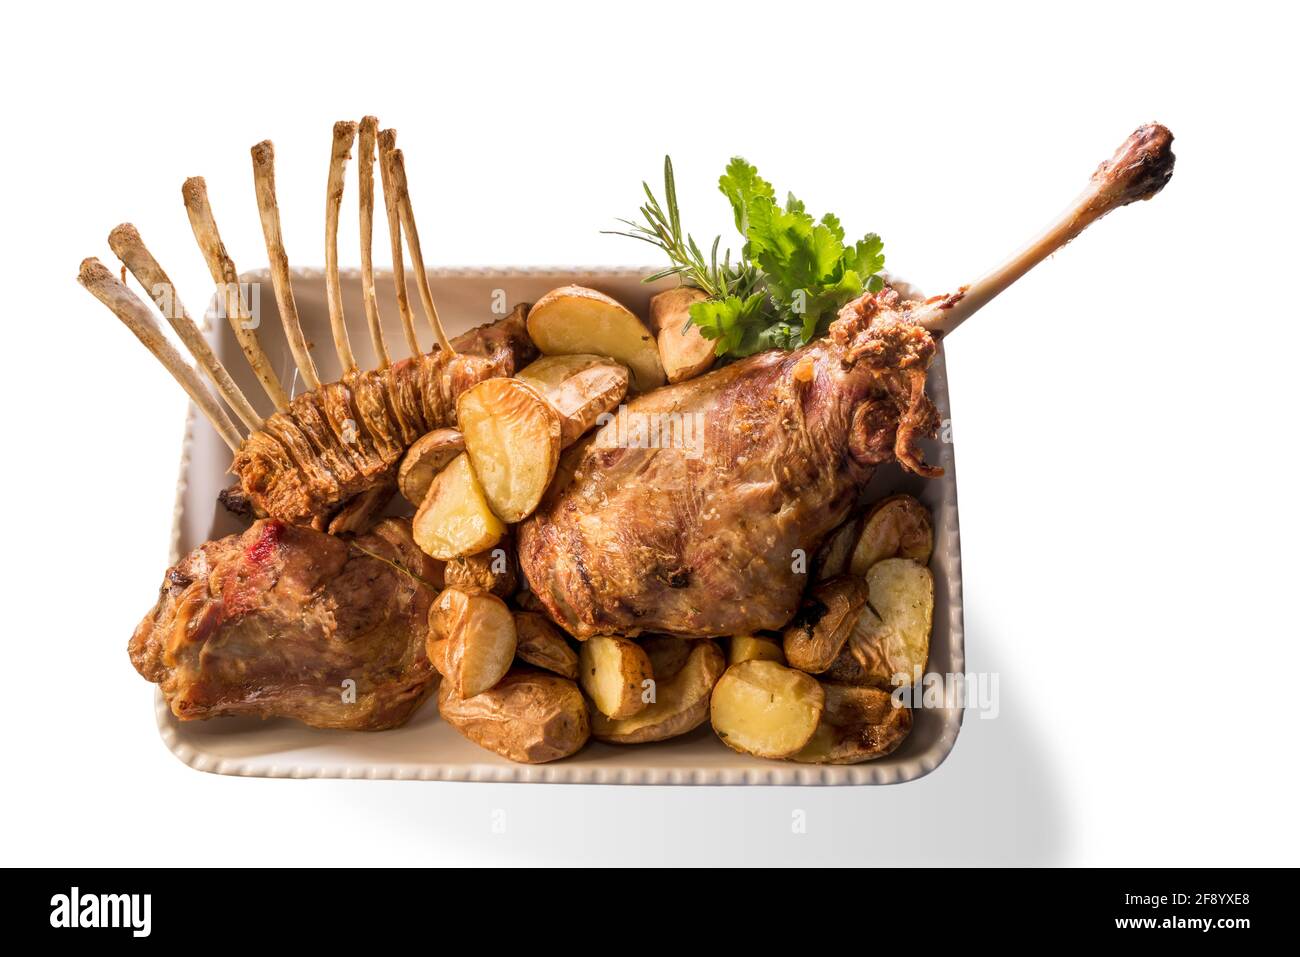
(427, 748)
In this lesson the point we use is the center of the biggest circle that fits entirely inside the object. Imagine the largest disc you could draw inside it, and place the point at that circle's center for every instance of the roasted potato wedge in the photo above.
(474, 635)
(824, 623)
(667, 655)
(528, 716)
(550, 372)
(541, 644)
(896, 527)
(681, 702)
(582, 388)
(431, 453)
(512, 438)
(436, 649)
(857, 724)
(832, 559)
(455, 518)
(613, 672)
(766, 709)
(754, 648)
(847, 670)
(683, 352)
(898, 642)
(575, 320)
(492, 571)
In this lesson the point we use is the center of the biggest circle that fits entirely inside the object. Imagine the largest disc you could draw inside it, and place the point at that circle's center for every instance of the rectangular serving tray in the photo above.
(427, 748)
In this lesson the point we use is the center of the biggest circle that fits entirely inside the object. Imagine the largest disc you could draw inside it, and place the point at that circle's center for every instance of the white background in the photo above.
(1124, 418)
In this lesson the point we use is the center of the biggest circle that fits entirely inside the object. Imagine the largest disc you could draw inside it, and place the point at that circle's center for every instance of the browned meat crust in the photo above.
(340, 440)
(278, 621)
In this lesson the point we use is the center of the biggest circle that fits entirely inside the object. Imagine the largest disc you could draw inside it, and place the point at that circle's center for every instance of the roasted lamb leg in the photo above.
(708, 534)
(284, 621)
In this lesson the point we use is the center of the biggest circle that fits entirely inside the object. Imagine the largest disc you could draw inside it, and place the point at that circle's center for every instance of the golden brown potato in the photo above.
(529, 716)
(492, 571)
(471, 640)
(540, 643)
(847, 670)
(824, 623)
(550, 372)
(613, 672)
(832, 559)
(436, 649)
(766, 709)
(681, 703)
(582, 388)
(683, 352)
(896, 527)
(902, 591)
(512, 438)
(858, 724)
(754, 648)
(431, 453)
(574, 320)
(667, 654)
(455, 518)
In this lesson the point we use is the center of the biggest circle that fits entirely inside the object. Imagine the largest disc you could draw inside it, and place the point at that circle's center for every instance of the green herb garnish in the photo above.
(792, 276)
(396, 566)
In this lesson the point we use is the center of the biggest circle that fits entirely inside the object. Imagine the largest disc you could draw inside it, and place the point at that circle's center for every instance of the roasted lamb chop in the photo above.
(284, 621)
(705, 540)
(338, 439)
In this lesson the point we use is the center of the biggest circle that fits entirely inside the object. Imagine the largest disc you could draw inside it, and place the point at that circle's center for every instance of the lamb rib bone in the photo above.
(269, 212)
(127, 245)
(397, 172)
(1138, 170)
(224, 274)
(366, 188)
(345, 131)
(135, 315)
(387, 143)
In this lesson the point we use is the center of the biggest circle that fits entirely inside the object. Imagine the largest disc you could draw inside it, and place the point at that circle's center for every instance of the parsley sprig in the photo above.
(791, 277)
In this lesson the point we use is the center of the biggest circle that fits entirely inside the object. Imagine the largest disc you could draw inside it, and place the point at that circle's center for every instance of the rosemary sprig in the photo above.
(663, 228)
(395, 565)
(793, 275)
